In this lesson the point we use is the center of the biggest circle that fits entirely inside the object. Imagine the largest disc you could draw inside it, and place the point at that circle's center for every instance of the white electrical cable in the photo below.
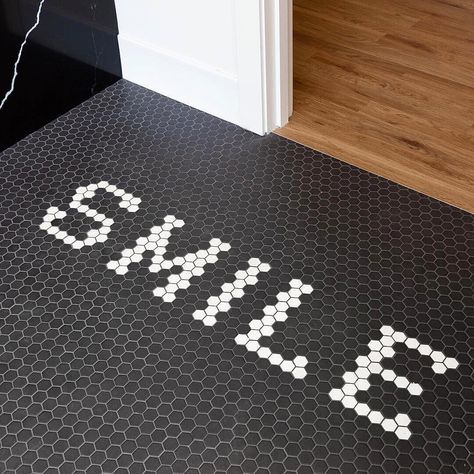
(15, 70)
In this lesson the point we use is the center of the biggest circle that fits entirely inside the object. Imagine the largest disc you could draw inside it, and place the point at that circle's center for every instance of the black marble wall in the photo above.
(72, 54)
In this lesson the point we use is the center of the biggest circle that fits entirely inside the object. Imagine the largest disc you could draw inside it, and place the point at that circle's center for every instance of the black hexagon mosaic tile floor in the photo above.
(179, 295)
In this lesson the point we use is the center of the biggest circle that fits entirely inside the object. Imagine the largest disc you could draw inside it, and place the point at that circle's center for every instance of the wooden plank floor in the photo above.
(388, 86)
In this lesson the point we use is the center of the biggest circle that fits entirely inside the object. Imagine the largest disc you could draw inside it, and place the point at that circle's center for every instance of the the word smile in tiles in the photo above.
(178, 295)
(193, 265)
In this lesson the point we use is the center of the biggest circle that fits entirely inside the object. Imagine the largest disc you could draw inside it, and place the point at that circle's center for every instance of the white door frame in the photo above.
(264, 32)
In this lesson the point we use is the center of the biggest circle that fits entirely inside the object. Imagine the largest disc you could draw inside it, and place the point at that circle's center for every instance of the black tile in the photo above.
(99, 374)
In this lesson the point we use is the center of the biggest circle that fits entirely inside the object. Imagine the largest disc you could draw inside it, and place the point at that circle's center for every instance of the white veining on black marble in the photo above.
(94, 44)
(15, 68)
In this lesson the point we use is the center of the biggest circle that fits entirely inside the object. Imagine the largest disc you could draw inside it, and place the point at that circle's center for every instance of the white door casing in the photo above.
(264, 59)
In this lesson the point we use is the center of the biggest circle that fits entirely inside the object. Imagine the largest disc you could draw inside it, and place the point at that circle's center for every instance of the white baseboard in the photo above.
(180, 78)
